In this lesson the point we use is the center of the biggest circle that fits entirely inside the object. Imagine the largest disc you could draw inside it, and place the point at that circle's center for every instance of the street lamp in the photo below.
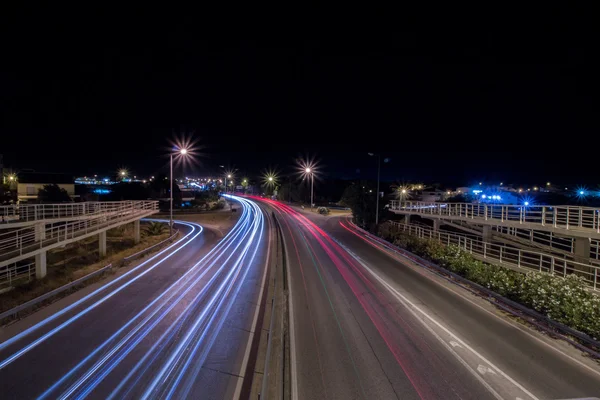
(182, 152)
(377, 203)
(310, 172)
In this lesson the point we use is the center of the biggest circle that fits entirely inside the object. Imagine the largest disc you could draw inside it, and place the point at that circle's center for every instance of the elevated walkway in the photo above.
(572, 221)
(33, 236)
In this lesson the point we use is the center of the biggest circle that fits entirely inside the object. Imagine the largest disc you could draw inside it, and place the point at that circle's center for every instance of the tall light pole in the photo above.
(378, 171)
(183, 152)
(309, 171)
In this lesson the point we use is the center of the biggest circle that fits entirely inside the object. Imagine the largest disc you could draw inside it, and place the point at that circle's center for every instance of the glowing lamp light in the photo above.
(229, 175)
(183, 151)
(270, 179)
(403, 191)
(307, 170)
(526, 203)
(483, 196)
(581, 192)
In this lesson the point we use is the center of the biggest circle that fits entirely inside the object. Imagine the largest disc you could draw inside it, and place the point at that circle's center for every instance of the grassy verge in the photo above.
(75, 261)
(564, 300)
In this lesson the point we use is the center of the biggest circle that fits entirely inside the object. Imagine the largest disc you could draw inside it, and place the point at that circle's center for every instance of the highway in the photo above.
(177, 325)
(366, 324)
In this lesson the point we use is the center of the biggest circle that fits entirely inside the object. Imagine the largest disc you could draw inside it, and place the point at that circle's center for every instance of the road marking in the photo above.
(238, 388)
(482, 369)
(420, 269)
(408, 304)
(454, 344)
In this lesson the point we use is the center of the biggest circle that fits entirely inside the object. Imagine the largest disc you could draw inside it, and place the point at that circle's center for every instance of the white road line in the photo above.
(239, 385)
(407, 302)
(422, 270)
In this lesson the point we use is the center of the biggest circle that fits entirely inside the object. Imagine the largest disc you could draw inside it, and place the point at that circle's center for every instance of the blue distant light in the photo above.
(581, 192)
(483, 196)
(526, 203)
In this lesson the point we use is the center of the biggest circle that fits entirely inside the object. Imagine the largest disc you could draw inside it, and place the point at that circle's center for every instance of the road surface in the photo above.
(367, 325)
(175, 326)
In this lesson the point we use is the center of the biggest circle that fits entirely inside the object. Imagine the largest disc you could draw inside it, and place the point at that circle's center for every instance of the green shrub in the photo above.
(565, 300)
(323, 210)
(155, 228)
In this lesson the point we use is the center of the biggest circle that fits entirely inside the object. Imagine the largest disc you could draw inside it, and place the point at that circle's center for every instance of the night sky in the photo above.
(490, 103)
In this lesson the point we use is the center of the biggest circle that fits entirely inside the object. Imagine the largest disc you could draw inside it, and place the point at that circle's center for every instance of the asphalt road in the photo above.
(175, 326)
(367, 325)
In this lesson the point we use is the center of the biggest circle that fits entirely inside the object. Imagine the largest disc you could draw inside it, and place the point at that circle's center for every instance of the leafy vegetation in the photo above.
(323, 210)
(565, 300)
(155, 228)
(53, 194)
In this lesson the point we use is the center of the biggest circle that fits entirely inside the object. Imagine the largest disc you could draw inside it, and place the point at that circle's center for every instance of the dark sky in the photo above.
(492, 102)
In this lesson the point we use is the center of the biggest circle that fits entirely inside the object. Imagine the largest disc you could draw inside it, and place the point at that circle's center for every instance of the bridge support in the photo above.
(436, 225)
(407, 219)
(40, 265)
(136, 231)
(102, 244)
(40, 231)
(582, 249)
(487, 234)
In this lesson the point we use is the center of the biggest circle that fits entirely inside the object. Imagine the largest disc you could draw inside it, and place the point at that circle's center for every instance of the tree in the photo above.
(53, 194)
(129, 191)
(7, 196)
(361, 199)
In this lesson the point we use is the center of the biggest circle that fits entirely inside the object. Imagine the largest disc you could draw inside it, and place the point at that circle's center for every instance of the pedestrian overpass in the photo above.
(30, 231)
(582, 224)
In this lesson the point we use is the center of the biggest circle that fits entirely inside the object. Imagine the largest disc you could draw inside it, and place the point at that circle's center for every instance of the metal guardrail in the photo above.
(508, 256)
(52, 293)
(36, 212)
(13, 272)
(17, 242)
(563, 217)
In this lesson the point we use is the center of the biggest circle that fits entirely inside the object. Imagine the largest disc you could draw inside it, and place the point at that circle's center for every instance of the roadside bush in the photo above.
(323, 210)
(219, 205)
(155, 228)
(565, 300)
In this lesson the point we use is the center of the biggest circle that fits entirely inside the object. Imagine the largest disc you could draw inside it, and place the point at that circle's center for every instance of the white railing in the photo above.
(17, 242)
(508, 256)
(12, 272)
(35, 212)
(564, 217)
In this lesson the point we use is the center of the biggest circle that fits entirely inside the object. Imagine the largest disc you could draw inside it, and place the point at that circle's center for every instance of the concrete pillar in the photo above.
(102, 244)
(436, 225)
(40, 265)
(582, 249)
(40, 231)
(407, 219)
(487, 234)
(136, 231)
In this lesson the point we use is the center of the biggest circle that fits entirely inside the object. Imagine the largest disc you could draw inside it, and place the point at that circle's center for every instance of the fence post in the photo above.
(484, 250)
(485, 210)
(552, 265)
(471, 246)
(501, 254)
(519, 259)
(567, 217)
(554, 217)
(595, 277)
(580, 217)
(540, 262)
(543, 216)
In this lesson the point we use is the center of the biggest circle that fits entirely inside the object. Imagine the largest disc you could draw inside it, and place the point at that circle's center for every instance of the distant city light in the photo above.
(501, 183)
(547, 183)
(480, 183)
(526, 203)
(581, 192)
(483, 196)
(535, 188)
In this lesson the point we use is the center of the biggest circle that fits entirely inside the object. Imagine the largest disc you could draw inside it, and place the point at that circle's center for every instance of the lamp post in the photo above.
(378, 171)
(183, 152)
(309, 171)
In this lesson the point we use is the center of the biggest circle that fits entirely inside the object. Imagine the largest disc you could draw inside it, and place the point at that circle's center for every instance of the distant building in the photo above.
(29, 183)
(431, 196)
